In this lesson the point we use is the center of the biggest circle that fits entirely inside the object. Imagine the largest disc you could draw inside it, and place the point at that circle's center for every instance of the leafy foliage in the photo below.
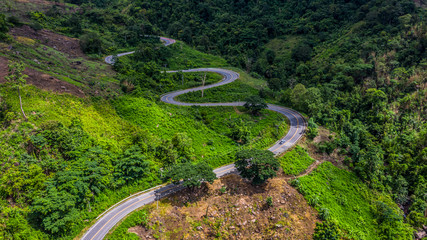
(255, 104)
(192, 175)
(256, 165)
(326, 231)
(344, 199)
(295, 161)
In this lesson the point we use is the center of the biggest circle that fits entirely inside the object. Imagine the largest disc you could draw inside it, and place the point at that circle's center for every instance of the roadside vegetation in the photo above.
(295, 161)
(357, 68)
(359, 212)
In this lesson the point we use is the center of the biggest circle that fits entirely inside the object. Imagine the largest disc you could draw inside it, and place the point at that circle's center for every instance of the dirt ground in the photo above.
(239, 211)
(59, 42)
(42, 80)
(324, 136)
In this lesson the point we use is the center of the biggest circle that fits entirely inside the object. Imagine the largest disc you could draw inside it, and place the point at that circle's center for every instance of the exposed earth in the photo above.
(59, 42)
(42, 80)
(231, 208)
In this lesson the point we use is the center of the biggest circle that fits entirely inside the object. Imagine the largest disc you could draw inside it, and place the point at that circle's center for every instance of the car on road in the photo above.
(282, 141)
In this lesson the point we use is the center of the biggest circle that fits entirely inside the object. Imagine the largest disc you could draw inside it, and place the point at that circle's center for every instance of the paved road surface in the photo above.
(296, 131)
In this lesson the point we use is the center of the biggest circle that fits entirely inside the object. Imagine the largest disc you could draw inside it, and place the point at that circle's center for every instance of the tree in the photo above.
(326, 231)
(312, 130)
(301, 52)
(56, 212)
(132, 165)
(192, 175)
(91, 43)
(255, 104)
(17, 78)
(4, 28)
(256, 165)
(298, 96)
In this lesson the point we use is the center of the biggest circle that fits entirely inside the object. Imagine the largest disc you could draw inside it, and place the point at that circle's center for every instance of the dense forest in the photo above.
(358, 68)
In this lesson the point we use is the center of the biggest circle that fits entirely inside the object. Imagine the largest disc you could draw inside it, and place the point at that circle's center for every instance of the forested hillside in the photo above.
(357, 68)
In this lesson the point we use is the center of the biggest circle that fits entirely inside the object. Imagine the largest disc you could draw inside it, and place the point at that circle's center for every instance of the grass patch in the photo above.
(212, 130)
(283, 46)
(233, 92)
(137, 218)
(295, 161)
(238, 90)
(185, 57)
(345, 198)
(78, 71)
(99, 119)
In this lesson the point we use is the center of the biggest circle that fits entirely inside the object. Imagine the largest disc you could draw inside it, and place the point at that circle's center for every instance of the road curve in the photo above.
(112, 217)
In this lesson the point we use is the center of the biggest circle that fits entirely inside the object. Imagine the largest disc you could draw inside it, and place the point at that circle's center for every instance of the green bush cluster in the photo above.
(295, 161)
(359, 212)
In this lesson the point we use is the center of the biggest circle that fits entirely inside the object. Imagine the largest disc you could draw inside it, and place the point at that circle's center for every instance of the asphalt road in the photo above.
(112, 217)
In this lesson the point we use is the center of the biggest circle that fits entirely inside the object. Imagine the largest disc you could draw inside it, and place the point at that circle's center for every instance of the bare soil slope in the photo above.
(42, 80)
(231, 208)
(59, 42)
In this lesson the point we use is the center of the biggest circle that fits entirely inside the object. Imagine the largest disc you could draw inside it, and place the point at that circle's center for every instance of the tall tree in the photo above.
(255, 104)
(256, 165)
(192, 175)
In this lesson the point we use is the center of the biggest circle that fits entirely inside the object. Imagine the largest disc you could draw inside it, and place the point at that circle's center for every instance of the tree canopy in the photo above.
(192, 175)
(256, 165)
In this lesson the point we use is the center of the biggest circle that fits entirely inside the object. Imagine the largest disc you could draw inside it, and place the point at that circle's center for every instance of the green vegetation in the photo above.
(255, 104)
(343, 198)
(191, 175)
(16, 78)
(137, 218)
(184, 57)
(76, 70)
(4, 28)
(326, 231)
(81, 153)
(233, 92)
(256, 165)
(355, 67)
(295, 161)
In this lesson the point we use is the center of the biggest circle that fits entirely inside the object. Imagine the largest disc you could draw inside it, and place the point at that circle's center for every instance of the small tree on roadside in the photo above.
(257, 165)
(17, 78)
(192, 175)
(255, 104)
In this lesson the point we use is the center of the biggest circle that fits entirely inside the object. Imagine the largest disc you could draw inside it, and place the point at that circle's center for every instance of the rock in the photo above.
(279, 225)
(420, 235)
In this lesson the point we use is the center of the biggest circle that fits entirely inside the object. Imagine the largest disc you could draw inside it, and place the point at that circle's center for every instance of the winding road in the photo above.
(119, 211)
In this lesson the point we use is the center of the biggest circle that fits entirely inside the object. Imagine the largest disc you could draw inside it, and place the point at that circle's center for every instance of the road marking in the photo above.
(229, 76)
(292, 135)
(174, 187)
